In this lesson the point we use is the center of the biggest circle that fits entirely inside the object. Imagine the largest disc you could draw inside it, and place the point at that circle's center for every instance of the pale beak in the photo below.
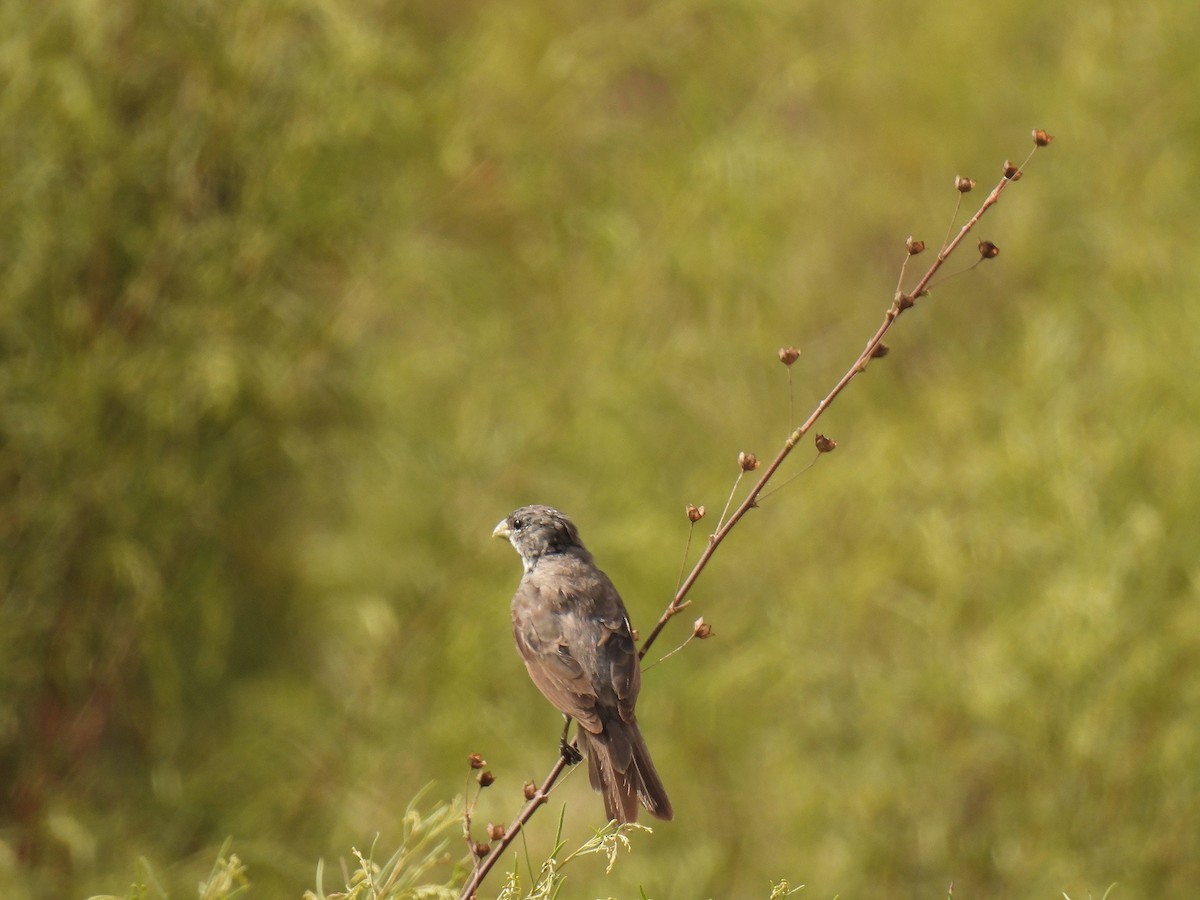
(501, 530)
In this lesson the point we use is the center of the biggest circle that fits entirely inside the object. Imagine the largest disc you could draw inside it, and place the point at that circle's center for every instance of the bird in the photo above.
(573, 633)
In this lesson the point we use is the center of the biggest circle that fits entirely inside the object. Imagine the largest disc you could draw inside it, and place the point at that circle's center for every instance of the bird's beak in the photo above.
(501, 530)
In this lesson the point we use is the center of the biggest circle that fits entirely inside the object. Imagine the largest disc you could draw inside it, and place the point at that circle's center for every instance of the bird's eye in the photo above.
(518, 524)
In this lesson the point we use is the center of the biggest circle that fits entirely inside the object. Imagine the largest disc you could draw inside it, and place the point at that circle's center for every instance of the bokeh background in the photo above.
(298, 299)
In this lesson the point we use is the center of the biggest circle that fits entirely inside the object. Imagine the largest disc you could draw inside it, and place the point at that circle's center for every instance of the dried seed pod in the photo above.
(1011, 172)
(701, 629)
(1041, 138)
(964, 185)
(748, 461)
(475, 761)
(788, 355)
(695, 513)
(825, 444)
(485, 779)
(988, 250)
(914, 246)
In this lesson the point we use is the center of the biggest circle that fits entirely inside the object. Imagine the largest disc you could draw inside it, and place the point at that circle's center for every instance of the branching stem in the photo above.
(900, 303)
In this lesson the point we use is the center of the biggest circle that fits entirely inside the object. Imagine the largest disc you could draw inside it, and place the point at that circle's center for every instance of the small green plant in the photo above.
(1067, 896)
(227, 880)
(412, 870)
(546, 885)
(784, 889)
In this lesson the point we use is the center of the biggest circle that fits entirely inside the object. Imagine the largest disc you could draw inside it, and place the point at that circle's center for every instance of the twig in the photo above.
(729, 502)
(874, 348)
(540, 796)
(900, 303)
(687, 547)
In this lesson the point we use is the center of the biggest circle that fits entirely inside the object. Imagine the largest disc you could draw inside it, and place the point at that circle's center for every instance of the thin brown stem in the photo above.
(791, 401)
(732, 493)
(687, 548)
(953, 219)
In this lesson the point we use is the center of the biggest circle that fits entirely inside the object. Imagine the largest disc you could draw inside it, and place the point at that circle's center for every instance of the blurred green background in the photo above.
(298, 299)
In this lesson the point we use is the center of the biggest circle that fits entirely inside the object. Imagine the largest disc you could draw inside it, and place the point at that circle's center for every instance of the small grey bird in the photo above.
(574, 635)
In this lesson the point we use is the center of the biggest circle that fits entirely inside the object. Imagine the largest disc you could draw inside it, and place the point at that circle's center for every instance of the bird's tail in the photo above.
(619, 767)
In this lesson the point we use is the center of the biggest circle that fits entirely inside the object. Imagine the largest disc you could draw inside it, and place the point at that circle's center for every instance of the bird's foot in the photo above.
(570, 753)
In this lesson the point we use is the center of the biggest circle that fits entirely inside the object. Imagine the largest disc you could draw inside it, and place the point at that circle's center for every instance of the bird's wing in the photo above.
(550, 657)
(617, 653)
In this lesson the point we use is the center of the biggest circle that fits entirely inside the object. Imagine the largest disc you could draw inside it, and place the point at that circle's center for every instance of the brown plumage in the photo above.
(573, 632)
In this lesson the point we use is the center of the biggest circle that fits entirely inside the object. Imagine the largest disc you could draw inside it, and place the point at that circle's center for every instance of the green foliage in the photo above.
(423, 854)
(784, 889)
(177, 368)
(298, 299)
(227, 880)
(549, 881)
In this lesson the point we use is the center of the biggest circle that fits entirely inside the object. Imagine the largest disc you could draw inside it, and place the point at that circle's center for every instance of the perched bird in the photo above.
(574, 635)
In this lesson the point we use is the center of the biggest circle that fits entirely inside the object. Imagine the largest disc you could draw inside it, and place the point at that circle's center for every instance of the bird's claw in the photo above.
(570, 754)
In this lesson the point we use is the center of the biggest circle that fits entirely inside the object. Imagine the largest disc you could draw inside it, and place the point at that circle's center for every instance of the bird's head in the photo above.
(537, 531)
